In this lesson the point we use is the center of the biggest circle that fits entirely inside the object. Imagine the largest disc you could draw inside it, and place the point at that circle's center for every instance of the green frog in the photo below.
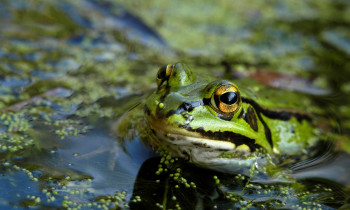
(220, 124)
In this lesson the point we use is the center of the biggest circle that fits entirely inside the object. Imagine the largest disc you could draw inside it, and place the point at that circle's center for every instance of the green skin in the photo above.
(182, 117)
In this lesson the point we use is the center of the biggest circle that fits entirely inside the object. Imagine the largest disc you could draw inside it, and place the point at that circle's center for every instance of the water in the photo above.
(69, 70)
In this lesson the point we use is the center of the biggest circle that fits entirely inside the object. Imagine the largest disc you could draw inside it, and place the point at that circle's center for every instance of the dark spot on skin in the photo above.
(174, 75)
(229, 136)
(206, 101)
(185, 107)
(250, 118)
(246, 117)
(284, 115)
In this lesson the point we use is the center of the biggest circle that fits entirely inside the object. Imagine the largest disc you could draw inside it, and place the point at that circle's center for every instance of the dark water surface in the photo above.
(70, 69)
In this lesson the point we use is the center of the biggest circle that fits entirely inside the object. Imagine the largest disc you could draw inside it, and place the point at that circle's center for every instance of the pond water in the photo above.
(69, 70)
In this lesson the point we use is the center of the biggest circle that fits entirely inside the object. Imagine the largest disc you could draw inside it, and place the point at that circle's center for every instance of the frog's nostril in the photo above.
(187, 106)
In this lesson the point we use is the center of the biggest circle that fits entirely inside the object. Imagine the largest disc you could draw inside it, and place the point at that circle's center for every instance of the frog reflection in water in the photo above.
(218, 124)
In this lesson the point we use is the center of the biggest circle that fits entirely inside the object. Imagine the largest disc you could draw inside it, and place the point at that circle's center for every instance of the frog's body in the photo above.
(216, 122)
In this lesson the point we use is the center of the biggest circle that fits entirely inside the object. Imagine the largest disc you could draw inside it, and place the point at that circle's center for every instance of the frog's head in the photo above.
(203, 120)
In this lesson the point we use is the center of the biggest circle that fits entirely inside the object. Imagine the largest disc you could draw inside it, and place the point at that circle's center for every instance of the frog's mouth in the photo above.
(201, 150)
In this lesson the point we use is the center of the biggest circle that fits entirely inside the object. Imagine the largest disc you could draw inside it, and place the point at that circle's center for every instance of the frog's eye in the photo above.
(164, 74)
(225, 99)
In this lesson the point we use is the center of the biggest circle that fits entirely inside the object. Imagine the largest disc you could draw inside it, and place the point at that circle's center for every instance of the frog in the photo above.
(221, 124)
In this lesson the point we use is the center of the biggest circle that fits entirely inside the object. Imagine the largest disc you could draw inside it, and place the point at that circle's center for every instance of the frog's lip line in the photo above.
(179, 137)
(210, 156)
(202, 142)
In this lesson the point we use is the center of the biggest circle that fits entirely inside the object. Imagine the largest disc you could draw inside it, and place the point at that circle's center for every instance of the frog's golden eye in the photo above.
(226, 99)
(164, 74)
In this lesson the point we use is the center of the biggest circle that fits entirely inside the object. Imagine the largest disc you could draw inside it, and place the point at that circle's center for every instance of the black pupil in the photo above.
(229, 98)
(162, 72)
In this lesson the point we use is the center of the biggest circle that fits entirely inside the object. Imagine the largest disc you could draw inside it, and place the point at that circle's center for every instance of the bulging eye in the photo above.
(225, 99)
(164, 74)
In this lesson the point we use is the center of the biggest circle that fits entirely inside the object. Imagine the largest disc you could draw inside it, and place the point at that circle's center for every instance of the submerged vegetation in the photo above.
(69, 69)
